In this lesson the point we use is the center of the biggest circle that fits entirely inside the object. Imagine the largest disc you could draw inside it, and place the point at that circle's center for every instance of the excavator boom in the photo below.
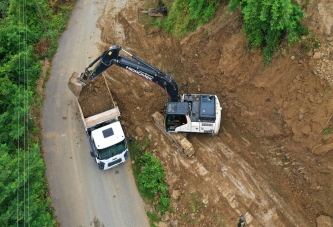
(110, 57)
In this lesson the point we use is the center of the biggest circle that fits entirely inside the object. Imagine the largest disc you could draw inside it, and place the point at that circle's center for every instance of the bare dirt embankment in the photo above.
(271, 160)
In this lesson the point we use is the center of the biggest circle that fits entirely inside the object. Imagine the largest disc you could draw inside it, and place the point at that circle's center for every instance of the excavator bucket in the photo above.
(75, 85)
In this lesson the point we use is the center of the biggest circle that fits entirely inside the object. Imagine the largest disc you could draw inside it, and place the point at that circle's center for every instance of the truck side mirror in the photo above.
(93, 154)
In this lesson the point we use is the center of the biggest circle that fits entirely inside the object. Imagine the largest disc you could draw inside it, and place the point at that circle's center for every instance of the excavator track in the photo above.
(178, 139)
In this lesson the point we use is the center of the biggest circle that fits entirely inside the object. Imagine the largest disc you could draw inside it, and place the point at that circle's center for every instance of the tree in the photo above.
(23, 188)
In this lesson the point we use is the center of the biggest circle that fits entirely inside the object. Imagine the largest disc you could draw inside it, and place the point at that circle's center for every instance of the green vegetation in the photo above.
(219, 223)
(150, 178)
(267, 23)
(153, 218)
(23, 187)
(327, 131)
(185, 16)
(195, 202)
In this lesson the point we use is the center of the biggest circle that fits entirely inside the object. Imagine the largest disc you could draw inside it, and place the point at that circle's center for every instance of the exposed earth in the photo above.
(273, 157)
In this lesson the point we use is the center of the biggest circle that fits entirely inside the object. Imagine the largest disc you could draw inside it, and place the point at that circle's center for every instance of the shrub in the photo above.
(267, 22)
(149, 174)
(186, 15)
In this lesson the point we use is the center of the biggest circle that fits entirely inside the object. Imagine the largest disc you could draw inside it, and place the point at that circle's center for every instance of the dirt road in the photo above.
(82, 194)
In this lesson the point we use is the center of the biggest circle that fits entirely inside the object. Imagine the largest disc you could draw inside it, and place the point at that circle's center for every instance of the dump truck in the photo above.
(105, 134)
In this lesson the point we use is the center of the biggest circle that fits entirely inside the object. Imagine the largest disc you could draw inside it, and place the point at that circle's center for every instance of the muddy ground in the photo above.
(272, 159)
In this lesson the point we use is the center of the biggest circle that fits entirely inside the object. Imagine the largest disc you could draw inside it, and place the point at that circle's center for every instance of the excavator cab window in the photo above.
(173, 121)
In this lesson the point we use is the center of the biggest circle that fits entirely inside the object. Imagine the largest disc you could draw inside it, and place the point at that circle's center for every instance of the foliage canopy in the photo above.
(23, 188)
(267, 22)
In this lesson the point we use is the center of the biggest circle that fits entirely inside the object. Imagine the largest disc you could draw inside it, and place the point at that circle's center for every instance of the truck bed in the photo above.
(101, 117)
(96, 103)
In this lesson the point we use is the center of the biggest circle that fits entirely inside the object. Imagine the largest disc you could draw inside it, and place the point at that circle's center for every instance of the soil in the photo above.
(42, 46)
(272, 159)
(95, 98)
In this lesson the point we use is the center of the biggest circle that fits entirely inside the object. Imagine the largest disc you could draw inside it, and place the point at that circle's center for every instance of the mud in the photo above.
(272, 159)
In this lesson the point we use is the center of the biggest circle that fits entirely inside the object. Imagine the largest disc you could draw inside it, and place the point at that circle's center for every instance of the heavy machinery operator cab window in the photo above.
(174, 121)
(176, 115)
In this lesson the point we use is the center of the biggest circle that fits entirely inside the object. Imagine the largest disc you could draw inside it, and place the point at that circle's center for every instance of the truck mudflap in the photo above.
(178, 139)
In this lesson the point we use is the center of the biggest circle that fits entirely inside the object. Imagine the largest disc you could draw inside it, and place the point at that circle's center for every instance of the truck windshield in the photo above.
(109, 152)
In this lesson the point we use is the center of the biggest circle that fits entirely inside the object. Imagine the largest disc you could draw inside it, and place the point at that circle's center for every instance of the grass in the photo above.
(150, 178)
(219, 223)
(153, 218)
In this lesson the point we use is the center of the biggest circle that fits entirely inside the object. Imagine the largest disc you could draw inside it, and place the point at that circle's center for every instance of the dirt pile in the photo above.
(95, 97)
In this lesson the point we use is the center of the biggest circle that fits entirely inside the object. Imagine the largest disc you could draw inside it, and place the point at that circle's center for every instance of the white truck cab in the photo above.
(110, 147)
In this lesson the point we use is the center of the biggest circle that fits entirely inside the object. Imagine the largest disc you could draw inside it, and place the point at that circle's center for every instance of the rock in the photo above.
(174, 223)
(166, 216)
(162, 224)
(175, 194)
(324, 221)
(316, 55)
(139, 132)
(326, 18)
(150, 208)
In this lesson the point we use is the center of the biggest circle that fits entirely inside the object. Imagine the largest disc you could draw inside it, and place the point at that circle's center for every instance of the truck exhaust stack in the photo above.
(75, 84)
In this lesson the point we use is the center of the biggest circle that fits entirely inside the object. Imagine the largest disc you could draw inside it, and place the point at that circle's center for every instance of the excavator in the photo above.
(187, 113)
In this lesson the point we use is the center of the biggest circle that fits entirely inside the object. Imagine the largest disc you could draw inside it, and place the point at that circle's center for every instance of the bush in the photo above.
(150, 176)
(186, 15)
(267, 22)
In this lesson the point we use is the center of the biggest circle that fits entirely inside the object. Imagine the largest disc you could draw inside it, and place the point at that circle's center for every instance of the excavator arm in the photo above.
(112, 57)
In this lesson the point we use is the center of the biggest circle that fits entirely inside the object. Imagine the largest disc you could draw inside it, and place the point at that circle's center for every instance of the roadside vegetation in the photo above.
(267, 24)
(28, 34)
(150, 178)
